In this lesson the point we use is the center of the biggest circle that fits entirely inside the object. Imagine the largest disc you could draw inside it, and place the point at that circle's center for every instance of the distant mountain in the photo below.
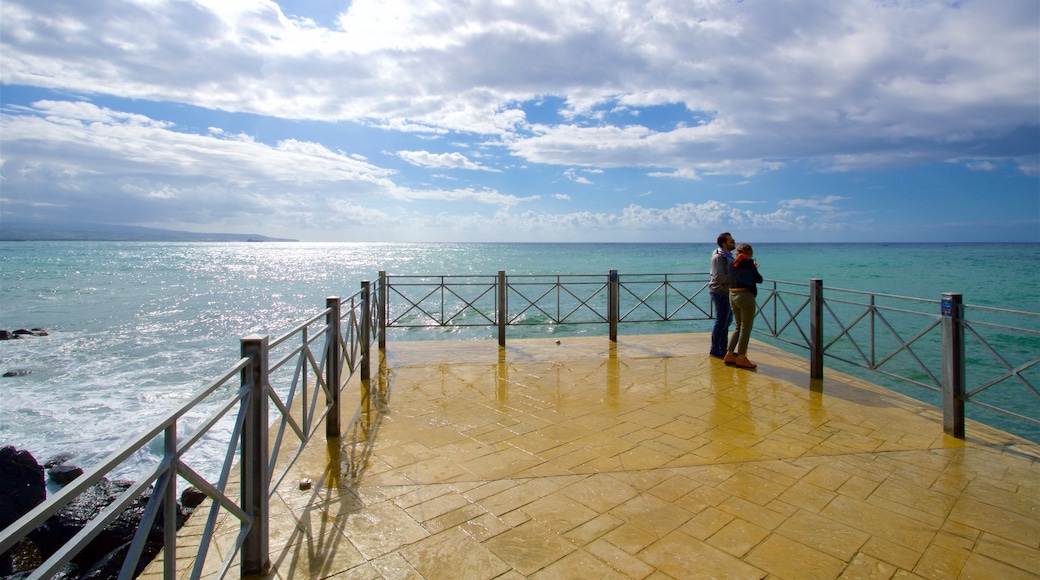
(39, 232)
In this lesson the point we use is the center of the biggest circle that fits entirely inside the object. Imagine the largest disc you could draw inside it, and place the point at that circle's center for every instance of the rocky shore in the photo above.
(20, 333)
(23, 485)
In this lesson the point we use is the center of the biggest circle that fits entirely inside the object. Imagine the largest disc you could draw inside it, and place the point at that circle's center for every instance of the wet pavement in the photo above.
(647, 459)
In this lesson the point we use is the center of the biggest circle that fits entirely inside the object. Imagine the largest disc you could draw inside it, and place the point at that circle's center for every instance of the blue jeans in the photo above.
(723, 318)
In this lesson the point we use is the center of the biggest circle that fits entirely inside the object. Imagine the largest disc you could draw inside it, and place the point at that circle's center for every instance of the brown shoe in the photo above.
(743, 362)
(730, 359)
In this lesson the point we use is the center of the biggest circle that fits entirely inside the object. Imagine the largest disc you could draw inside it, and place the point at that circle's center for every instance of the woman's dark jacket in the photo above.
(745, 275)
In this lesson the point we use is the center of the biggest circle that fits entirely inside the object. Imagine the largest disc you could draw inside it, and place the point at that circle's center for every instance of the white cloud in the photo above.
(981, 165)
(681, 222)
(817, 203)
(449, 160)
(840, 77)
(531, 88)
(572, 175)
(484, 196)
(76, 153)
(681, 173)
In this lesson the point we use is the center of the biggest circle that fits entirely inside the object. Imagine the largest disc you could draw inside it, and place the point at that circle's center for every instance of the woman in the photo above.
(743, 289)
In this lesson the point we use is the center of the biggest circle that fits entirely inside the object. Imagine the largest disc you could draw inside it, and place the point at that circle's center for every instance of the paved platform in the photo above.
(648, 459)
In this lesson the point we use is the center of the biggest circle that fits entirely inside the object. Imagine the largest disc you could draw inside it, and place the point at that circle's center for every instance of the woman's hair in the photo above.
(746, 249)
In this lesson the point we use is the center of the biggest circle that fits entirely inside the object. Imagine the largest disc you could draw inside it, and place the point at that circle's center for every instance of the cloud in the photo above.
(74, 154)
(680, 222)
(681, 173)
(572, 175)
(816, 79)
(484, 196)
(981, 165)
(290, 110)
(825, 204)
(89, 139)
(449, 160)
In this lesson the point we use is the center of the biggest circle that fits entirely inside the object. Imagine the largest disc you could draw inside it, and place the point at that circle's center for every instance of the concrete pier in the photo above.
(647, 459)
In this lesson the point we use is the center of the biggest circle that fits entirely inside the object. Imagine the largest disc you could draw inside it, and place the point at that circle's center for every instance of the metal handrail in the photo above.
(172, 463)
(920, 342)
(538, 299)
(301, 356)
(317, 357)
(863, 329)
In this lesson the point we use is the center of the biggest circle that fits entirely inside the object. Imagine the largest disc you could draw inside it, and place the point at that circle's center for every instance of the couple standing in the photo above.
(733, 287)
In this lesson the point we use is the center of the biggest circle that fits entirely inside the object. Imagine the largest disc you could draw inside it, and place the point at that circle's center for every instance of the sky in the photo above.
(526, 120)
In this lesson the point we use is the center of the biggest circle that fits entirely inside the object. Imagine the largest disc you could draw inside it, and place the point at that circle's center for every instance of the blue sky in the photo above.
(642, 120)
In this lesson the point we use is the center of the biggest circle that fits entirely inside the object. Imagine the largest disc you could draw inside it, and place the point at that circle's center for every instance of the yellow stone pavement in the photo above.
(649, 459)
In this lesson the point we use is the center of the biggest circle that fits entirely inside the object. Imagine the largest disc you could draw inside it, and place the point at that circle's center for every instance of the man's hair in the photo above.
(722, 238)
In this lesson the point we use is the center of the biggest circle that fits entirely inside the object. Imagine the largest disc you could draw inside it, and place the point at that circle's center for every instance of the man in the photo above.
(718, 287)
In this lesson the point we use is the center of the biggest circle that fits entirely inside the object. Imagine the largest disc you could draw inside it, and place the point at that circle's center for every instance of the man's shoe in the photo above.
(743, 362)
(730, 358)
(716, 355)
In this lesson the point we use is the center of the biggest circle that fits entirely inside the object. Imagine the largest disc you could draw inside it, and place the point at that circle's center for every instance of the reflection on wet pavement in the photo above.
(647, 458)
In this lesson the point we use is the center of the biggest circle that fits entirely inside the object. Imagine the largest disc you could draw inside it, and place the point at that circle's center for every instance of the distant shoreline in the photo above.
(34, 232)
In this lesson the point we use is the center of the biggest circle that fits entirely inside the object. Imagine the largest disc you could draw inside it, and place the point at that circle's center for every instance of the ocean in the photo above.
(136, 328)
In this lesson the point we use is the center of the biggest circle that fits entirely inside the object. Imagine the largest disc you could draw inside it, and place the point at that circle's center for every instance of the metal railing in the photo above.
(917, 341)
(926, 343)
(544, 300)
(301, 374)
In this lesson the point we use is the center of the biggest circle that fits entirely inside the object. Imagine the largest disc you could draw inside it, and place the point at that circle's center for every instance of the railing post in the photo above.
(953, 364)
(333, 366)
(816, 328)
(613, 304)
(256, 547)
(502, 311)
(382, 309)
(366, 330)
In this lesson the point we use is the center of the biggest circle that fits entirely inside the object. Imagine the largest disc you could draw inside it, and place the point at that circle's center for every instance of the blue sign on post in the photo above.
(947, 307)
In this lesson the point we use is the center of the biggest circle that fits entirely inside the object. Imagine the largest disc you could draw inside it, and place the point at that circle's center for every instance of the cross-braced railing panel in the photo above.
(534, 299)
(281, 389)
(184, 432)
(350, 333)
(1003, 349)
(783, 312)
(553, 299)
(664, 297)
(418, 301)
(299, 391)
(871, 331)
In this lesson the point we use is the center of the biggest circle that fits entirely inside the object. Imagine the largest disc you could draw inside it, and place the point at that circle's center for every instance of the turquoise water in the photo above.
(136, 328)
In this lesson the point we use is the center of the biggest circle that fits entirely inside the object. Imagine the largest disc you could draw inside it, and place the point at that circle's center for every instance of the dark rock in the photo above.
(22, 487)
(22, 333)
(18, 373)
(192, 497)
(63, 525)
(63, 474)
(58, 460)
(22, 484)
(20, 560)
